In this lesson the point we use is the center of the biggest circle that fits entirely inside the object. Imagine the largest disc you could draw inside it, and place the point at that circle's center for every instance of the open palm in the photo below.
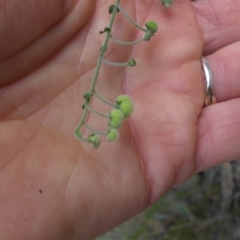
(52, 186)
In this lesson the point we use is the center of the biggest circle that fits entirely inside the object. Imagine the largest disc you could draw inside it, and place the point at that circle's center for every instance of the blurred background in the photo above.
(207, 207)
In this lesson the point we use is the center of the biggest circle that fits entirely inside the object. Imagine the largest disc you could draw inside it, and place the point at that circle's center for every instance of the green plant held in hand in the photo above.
(123, 107)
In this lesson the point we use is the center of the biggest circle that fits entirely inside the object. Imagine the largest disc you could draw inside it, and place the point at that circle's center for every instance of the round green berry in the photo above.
(112, 135)
(116, 118)
(151, 26)
(94, 139)
(125, 104)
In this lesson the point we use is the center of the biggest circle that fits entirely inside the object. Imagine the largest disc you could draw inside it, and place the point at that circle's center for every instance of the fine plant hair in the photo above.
(123, 107)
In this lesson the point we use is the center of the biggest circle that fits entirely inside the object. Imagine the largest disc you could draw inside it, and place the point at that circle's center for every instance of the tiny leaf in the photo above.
(106, 29)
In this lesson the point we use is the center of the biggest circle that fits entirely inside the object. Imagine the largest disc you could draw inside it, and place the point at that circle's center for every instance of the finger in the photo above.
(219, 134)
(33, 33)
(226, 73)
(219, 21)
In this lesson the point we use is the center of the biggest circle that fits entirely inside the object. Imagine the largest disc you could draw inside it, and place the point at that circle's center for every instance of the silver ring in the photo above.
(210, 98)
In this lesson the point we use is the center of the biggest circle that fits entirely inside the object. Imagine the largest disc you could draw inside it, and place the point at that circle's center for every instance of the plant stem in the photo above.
(131, 20)
(94, 130)
(114, 64)
(98, 66)
(96, 112)
(127, 43)
(103, 100)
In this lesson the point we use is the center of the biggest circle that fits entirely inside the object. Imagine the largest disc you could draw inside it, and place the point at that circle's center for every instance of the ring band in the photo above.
(210, 98)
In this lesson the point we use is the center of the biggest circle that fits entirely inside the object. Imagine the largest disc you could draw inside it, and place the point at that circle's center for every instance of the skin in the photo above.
(54, 187)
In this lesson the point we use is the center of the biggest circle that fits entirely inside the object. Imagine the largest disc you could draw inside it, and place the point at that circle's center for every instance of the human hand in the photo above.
(55, 187)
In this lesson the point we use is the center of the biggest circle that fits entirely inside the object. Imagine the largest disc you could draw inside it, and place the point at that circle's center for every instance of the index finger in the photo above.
(219, 21)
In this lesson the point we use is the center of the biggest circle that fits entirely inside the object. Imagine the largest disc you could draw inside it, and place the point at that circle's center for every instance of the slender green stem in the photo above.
(83, 139)
(125, 64)
(128, 43)
(96, 112)
(130, 19)
(97, 69)
(103, 100)
(79, 136)
(94, 130)
(103, 49)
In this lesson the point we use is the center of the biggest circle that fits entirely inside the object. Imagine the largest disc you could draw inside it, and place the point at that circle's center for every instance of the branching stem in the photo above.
(103, 100)
(114, 64)
(123, 106)
(128, 43)
(97, 69)
(96, 112)
(130, 19)
(94, 130)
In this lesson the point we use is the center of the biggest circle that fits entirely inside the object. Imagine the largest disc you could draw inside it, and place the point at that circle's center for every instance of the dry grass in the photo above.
(207, 207)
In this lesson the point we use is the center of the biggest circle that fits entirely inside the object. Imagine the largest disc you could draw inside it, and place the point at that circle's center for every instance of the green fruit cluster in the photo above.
(125, 104)
(124, 107)
(116, 118)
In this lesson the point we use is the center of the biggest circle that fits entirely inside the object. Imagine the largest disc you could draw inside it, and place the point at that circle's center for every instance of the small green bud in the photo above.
(125, 104)
(151, 26)
(116, 118)
(111, 8)
(94, 139)
(166, 3)
(112, 135)
(87, 96)
(78, 134)
(132, 63)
